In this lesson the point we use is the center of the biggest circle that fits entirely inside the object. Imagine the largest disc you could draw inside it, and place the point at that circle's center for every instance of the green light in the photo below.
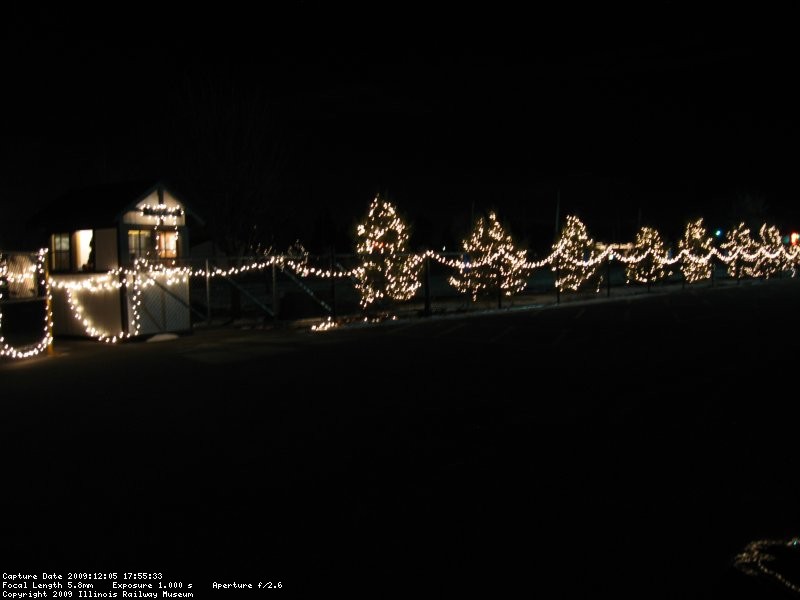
(718, 232)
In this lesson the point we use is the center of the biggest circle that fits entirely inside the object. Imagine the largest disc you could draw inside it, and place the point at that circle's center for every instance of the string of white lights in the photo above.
(73, 287)
(10, 351)
(306, 270)
(383, 251)
(107, 280)
(752, 560)
(162, 212)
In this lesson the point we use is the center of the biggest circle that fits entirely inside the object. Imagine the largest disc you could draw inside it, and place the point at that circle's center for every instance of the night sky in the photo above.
(647, 116)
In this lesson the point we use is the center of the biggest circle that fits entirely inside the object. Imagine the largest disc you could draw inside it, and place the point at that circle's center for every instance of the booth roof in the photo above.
(95, 207)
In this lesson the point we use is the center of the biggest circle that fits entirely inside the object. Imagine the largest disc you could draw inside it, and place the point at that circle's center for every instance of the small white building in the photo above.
(95, 237)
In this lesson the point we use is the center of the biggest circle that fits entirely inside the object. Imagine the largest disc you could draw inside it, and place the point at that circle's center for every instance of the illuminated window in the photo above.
(61, 257)
(168, 244)
(140, 243)
(84, 250)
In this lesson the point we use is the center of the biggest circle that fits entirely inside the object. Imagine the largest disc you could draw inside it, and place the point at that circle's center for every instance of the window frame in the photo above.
(162, 235)
(139, 235)
(57, 262)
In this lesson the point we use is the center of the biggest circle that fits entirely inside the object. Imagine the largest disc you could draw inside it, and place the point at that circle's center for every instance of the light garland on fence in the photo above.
(97, 283)
(302, 268)
(388, 270)
(385, 270)
(650, 268)
(752, 560)
(9, 350)
(500, 266)
(107, 285)
(326, 325)
(19, 278)
(694, 244)
(573, 248)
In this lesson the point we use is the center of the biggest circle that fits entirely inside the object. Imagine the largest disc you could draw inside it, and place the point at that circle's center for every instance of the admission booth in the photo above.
(113, 254)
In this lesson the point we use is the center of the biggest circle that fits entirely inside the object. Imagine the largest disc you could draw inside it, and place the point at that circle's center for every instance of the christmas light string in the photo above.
(752, 560)
(10, 351)
(144, 275)
(305, 270)
(162, 212)
(326, 325)
(388, 270)
(107, 284)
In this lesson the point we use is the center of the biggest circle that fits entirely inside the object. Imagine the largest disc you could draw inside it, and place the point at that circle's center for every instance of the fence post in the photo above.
(426, 281)
(274, 292)
(333, 283)
(208, 294)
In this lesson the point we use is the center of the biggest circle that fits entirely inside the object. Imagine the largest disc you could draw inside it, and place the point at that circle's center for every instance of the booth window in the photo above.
(83, 241)
(61, 254)
(140, 243)
(167, 244)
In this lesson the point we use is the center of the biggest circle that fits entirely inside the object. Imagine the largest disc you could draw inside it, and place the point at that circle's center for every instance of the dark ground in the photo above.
(421, 458)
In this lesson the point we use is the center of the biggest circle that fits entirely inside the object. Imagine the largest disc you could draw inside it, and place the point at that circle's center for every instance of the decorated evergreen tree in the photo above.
(386, 270)
(494, 264)
(771, 260)
(650, 266)
(696, 265)
(738, 243)
(575, 252)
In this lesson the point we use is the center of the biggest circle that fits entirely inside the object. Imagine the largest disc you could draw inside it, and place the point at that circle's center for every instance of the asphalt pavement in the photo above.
(626, 448)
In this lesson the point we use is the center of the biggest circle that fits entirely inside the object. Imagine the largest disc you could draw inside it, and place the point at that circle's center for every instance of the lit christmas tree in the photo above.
(737, 242)
(495, 265)
(575, 250)
(650, 267)
(386, 270)
(771, 260)
(696, 266)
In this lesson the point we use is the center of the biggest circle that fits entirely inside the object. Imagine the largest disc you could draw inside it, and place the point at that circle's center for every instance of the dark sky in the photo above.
(654, 114)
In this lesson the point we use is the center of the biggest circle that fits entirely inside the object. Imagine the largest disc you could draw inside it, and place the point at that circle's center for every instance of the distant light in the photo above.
(443, 248)
(718, 233)
(794, 238)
